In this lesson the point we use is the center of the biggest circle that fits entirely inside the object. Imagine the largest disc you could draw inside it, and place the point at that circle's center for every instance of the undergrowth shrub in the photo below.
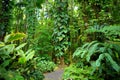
(15, 63)
(101, 53)
(74, 72)
(45, 65)
(103, 57)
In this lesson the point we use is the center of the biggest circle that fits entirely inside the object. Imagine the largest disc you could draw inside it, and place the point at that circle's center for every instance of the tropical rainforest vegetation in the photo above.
(38, 35)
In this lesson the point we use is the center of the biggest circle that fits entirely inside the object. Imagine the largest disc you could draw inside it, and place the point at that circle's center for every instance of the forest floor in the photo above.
(55, 75)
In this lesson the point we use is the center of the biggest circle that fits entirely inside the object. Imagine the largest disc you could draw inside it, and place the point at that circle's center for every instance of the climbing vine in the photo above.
(61, 29)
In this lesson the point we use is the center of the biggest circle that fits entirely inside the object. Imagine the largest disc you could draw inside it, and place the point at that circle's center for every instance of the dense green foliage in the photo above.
(36, 34)
(76, 73)
(45, 65)
(14, 60)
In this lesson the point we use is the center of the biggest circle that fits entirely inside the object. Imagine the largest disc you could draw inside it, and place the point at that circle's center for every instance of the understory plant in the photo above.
(15, 63)
(74, 72)
(103, 57)
(102, 54)
(45, 65)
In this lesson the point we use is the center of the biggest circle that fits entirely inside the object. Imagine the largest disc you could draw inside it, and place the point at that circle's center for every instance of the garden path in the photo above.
(55, 75)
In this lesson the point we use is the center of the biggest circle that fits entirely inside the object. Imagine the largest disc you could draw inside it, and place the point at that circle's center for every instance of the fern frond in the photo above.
(114, 65)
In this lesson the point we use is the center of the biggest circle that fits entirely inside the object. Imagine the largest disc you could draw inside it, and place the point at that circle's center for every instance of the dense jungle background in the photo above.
(36, 36)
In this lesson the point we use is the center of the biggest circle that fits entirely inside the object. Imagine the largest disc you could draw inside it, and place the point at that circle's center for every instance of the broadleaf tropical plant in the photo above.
(14, 37)
(99, 50)
(100, 53)
(12, 57)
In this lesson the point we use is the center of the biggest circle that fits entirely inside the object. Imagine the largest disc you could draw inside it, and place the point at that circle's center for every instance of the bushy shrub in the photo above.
(102, 53)
(103, 57)
(73, 72)
(15, 63)
(46, 66)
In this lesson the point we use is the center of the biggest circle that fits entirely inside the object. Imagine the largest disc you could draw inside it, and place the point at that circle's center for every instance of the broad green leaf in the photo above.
(22, 60)
(112, 62)
(6, 38)
(9, 48)
(30, 50)
(2, 44)
(85, 45)
(92, 50)
(60, 38)
(20, 46)
(102, 49)
(98, 61)
(30, 55)
(83, 53)
(93, 64)
(77, 52)
(21, 53)
(14, 37)
(92, 43)
(5, 63)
